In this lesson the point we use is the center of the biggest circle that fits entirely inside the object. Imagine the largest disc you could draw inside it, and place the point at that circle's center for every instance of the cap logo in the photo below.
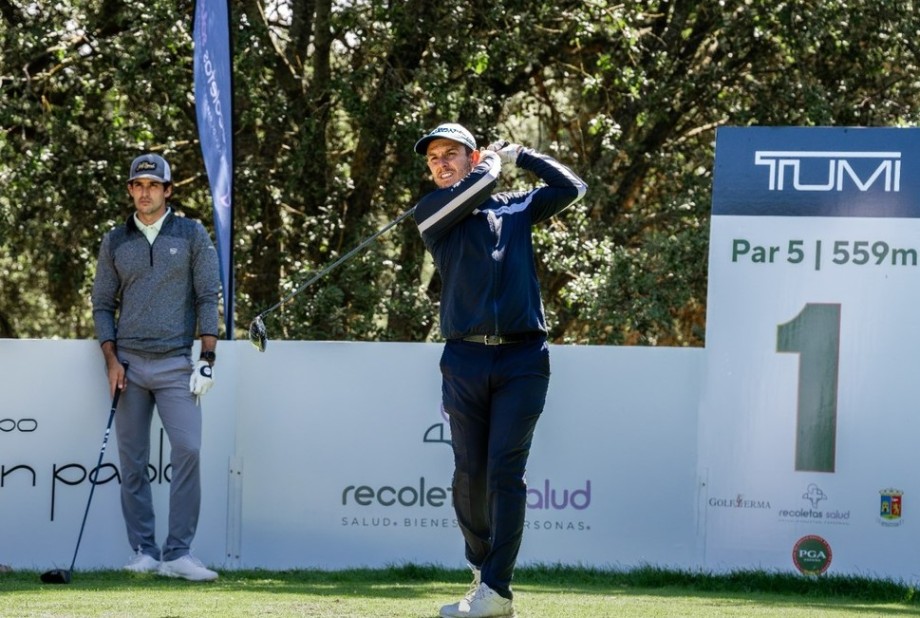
(144, 166)
(451, 131)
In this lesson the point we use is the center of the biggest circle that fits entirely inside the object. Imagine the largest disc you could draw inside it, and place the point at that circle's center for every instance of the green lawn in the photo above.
(418, 591)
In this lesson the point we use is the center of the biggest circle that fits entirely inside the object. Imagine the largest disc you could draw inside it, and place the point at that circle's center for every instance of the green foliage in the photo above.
(330, 97)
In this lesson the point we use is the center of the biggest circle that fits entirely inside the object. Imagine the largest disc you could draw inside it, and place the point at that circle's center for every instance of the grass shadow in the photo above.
(860, 595)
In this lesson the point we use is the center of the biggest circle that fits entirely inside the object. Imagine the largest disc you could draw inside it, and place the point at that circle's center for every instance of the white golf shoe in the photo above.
(142, 563)
(187, 567)
(481, 602)
(477, 579)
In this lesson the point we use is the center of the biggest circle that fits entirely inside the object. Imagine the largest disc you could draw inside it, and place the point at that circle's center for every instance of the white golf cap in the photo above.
(150, 166)
(447, 130)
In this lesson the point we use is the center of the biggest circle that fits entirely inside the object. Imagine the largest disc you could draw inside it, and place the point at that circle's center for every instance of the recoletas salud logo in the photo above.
(424, 493)
(812, 511)
(544, 495)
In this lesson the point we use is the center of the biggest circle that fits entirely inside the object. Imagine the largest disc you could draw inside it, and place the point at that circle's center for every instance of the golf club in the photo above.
(258, 335)
(62, 576)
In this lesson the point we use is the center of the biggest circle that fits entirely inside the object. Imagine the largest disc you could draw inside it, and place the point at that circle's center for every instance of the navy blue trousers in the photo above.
(494, 396)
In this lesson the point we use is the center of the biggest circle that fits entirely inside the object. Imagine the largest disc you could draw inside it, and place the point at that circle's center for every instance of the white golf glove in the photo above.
(490, 154)
(506, 150)
(202, 379)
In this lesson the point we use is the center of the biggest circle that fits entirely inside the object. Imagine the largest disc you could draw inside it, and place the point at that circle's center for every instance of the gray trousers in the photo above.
(160, 383)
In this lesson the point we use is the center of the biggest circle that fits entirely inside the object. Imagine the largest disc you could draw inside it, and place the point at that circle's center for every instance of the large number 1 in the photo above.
(815, 335)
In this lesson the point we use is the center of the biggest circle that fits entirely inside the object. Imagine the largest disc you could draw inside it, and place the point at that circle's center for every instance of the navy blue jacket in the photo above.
(483, 248)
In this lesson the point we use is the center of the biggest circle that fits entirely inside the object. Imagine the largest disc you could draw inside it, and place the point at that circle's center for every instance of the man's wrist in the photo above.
(208, 355)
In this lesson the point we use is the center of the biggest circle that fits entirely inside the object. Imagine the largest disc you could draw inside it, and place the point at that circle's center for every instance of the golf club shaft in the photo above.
(325, 271)
(92, 482)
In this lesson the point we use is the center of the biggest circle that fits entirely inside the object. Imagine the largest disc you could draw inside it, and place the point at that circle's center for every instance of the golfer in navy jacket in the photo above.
(495, 364)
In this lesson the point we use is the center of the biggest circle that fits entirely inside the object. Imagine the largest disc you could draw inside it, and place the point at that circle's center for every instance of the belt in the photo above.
(502, 339)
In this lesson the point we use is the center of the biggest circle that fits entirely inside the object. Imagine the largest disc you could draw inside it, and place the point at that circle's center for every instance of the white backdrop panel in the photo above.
(342, 459)
(59, 389)
(338, 469)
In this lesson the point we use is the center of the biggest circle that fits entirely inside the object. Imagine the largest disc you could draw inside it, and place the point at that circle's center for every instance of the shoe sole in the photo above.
(151, 569)
(513, 614)
(186, 577)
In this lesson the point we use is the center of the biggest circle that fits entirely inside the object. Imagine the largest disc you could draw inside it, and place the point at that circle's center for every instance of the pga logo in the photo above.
(812, 555)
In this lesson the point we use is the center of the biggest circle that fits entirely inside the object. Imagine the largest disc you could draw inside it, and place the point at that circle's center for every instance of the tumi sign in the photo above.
(816, 172)
(830, 170)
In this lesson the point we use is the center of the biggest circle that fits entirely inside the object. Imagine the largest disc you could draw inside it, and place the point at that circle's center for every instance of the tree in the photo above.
(330, 98)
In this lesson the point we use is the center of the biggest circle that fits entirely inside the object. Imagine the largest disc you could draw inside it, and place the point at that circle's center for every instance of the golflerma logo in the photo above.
(890, 507)
(831, 170)
(812, 555)
(739, 502)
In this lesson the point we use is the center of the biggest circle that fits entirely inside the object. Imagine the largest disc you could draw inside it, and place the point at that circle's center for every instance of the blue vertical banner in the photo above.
(213, 103)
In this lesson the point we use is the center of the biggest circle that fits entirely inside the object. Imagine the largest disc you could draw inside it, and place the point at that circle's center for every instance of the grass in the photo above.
(412, 591)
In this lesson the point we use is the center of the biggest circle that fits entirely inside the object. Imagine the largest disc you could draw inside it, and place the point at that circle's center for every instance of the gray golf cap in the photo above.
(447, 130)
(150, 166)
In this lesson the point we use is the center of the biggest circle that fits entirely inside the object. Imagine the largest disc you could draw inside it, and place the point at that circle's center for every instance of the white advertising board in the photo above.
(335, 455)
(53, 417)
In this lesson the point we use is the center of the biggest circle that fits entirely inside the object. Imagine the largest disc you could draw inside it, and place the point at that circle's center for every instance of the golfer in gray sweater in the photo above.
(156, 289)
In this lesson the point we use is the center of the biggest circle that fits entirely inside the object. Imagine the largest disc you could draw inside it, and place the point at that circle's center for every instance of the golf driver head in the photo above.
(56, 576)
(258, 336)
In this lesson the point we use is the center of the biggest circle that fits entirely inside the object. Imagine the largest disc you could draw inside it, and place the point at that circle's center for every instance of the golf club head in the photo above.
(56, 576)
(258, 336)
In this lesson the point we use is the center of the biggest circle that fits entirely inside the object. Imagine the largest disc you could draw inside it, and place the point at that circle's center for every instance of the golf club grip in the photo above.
(118, 390)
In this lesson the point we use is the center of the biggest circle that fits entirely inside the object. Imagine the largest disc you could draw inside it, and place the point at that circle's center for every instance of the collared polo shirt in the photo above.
(151, 231)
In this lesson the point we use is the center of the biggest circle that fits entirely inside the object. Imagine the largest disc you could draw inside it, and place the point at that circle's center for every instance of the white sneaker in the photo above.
(142, 563)
(477, 579)
(187, 567)
(483, 602)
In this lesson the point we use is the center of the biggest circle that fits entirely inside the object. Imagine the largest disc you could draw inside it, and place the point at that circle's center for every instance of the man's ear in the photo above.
(474, 158)
(167, 192)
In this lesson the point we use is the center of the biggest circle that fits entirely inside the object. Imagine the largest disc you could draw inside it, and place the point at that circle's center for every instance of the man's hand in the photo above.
(485, 154)
(116, 370)
(506, 150)
(202, 378)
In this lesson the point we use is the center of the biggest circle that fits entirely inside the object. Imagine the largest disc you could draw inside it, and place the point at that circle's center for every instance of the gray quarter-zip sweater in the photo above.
(154, 299)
